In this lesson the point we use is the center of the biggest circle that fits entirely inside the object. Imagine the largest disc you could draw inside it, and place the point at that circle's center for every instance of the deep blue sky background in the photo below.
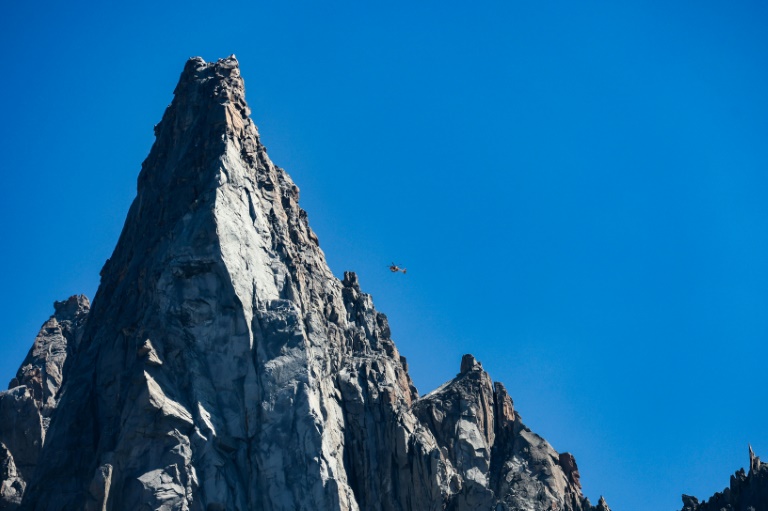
(578, 190)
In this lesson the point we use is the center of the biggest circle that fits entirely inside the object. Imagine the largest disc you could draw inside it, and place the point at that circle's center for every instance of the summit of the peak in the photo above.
(208, 108)
(468, 363)
(225, 71)
(198, 58)
(204, 140)
(230, 62)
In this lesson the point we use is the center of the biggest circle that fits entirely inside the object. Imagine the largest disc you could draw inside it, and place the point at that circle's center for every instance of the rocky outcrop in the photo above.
(747, 491)
(29, 403)
(224, 367)
(501, 463)
(602, 505)
(12, 485)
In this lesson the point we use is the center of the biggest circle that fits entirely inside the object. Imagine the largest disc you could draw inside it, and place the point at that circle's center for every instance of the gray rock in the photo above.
(11, 483)
(748, 491)
(501, 463)
(602, 505)
(223, 366)
(28, 405)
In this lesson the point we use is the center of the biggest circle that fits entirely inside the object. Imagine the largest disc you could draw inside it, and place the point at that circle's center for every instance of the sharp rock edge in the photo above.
(747, 491)
(222, 366)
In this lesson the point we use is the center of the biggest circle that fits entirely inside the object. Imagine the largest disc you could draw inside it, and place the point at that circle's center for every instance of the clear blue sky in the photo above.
(578, 190)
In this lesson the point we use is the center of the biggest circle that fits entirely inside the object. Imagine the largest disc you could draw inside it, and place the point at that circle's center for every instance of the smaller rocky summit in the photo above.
(32, 396)
(501, 464)
(747, 491)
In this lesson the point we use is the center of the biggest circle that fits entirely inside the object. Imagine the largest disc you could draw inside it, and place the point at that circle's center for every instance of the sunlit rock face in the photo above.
(224, 367)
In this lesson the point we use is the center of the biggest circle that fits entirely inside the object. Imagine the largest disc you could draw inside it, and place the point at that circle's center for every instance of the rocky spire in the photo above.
(747, 490)
(223, 366)
(754, 461)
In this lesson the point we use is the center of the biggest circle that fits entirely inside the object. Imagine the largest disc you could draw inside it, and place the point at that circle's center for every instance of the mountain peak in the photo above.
(220, 82)
(196, 70)
(223, 366)
(469, 363)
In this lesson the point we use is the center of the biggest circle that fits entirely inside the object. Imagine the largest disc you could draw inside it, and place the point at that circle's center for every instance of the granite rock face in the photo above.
(747, 491)
(501, 463)
(33, 395)
(224, 367)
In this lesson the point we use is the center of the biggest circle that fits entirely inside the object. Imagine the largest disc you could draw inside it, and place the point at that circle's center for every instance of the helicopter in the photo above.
(395, 268)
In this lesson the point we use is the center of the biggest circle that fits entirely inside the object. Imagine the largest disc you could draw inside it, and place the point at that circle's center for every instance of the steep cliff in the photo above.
(33, 395)
(224, 367)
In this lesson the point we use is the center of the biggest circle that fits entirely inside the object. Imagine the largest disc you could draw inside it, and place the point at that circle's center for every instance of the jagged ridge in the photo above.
(747, 491)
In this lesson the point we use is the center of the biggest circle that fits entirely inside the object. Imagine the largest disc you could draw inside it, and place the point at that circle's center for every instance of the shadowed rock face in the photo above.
(224, 367)
(747, 491)
(33, 395)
